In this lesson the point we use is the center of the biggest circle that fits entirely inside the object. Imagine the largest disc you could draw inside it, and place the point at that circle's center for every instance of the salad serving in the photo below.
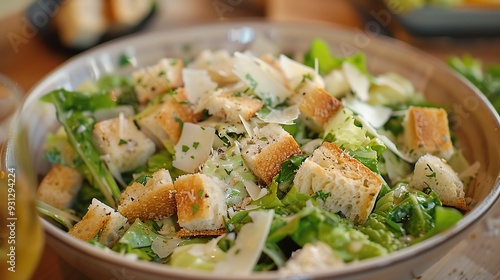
(233, 163)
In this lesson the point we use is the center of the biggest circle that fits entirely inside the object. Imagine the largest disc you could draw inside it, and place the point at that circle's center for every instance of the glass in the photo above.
(21, 235)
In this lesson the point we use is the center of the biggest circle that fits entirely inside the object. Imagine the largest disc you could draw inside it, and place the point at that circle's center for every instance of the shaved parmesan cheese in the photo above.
(393, 80)
(312, 257)
(254, 190)
(359, 82)
(244, 254)
(377, 116)
(295, 72)
(207, 249)
(471, 171)
(193, 147)
(247, 127)
(163, 247)
(269, 89)
(197, 83)
(285, 116)
(269, 69)
(336, 83)
(262, 45)
(387, 142)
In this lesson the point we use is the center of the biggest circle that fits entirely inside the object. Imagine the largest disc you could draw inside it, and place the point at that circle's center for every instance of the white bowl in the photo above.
(475, 122)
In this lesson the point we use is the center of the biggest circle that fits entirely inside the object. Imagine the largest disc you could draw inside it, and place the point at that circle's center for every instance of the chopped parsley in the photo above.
(321, 195)
(124, 60)
(195, 208)
(433, 174)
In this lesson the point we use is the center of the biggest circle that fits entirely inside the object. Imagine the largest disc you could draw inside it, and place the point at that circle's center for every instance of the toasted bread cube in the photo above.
(339, 182)
(267, 149)
(201, 203)
(123, 145)
(100, 217)
(153, 201)
(229, 106)
(60, 186)
(163, 123)
(427, 132)
(159, 78)
(184, 232)
(315, 104)
(432, 171)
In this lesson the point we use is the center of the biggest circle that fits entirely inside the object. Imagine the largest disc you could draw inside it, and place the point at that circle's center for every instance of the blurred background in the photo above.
(37, 36)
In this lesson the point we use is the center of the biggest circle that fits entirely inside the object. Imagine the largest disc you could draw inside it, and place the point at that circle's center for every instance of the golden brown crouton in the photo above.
(201, 203)
(100, 217)
(229, 106)
(60, 186)
(183, 232)
(153, 201)
(339, 182)
(317, 105)
(163, 123)
(123, 146)
(427, 132)
(153, 80)
(269, 147)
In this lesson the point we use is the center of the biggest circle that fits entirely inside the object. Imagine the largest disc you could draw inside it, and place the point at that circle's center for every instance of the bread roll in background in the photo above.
(82, 23)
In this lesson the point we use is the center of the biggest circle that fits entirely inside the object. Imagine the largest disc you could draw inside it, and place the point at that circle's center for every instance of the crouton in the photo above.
(156, 79)
(183, 232)
(432, 171)
(163, 123)
(339, 182)
(315, 104)
(153, 201)
(201, 203)
(229, 106)
(60, 186)
(267, 149)
(426, 131)
(100, 218)
(123, 146)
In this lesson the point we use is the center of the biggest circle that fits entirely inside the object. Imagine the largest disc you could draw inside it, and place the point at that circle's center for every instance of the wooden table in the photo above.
(476, 257)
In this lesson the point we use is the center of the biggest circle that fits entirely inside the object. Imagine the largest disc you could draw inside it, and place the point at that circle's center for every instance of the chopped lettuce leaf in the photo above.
(227, 164)
(62, 217)
(415, 214)
(357, 76)
(248, 246)
(320, 51)
(198, 256)
(376, 115)
(445, 218)
(487, 81)
(70, 109)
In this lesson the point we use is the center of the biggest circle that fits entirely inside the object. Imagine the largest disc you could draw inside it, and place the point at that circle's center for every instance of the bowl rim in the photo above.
(471, 218)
